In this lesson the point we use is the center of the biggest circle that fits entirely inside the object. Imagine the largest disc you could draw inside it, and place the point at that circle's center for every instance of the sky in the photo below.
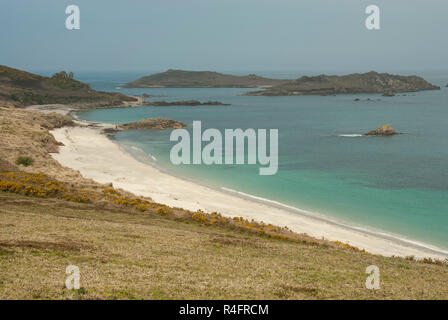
(327, 36)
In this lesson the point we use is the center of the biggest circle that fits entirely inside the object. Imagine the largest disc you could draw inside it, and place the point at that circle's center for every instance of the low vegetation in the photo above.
(25, 161)
(202, 79)
(20, 88)
(166, 253)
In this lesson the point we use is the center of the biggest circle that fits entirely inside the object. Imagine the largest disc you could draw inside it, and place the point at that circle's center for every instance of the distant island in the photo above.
(202, 79)
(187, 103)
(20, 88)
(370, 82)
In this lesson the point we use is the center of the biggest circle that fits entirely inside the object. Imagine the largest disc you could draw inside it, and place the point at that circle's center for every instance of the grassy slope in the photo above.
(122, 254)
(20, 88)
(125, 253)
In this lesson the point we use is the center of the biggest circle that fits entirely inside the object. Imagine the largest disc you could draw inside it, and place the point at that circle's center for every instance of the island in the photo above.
(20, 88)
(202, 79)
(187, 103)
(370, 82)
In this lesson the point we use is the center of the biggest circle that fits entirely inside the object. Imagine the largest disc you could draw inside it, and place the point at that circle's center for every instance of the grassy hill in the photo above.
(202, 79)
(20, 88)
(133, 248)
(370, 82)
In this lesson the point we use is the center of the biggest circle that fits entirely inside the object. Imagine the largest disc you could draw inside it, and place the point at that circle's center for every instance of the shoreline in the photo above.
(430, 249)
(97, 157)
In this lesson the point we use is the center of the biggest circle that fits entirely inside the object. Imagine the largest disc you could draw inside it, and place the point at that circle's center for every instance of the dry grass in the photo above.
(24, 133)
(125, 254)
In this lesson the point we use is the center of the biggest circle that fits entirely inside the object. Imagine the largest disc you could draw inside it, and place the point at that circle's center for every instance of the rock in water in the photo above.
(384, 130)
(388, 93)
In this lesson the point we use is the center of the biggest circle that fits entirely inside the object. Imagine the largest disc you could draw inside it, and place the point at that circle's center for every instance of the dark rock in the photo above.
(388, 93)
(384, 130)
(188, 103)
(153, 124)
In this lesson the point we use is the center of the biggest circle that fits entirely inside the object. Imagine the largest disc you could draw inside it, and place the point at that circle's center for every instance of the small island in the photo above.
(147, 124)
(370, 82)
(385, 130)
(187, 103)
(202, 79)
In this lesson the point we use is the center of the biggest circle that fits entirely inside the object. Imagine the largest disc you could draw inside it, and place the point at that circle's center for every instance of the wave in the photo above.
(377, 233)
(138, 149)
(351, 135)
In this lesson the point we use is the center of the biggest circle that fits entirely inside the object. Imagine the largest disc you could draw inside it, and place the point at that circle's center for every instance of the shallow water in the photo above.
(395, 184)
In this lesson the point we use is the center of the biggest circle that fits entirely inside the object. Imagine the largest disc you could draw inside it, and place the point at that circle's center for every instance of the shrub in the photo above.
(24, 161)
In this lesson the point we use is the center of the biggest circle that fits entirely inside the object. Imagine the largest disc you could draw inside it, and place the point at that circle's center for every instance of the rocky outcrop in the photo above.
(187, 103)
(19, 88)
(153, 124)
(370, 82)
(388, 93)
(384, 130)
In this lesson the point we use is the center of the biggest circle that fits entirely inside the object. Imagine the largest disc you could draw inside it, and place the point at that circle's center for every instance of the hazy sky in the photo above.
(224, 35)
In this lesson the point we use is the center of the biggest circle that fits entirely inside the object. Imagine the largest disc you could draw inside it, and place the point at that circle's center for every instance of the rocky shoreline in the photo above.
(187, 103)
(370, 82)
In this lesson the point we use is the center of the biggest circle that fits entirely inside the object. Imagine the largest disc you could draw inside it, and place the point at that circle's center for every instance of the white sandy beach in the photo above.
(96, 157)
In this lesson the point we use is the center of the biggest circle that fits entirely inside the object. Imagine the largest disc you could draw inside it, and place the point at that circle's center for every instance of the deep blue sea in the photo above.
(397, 185)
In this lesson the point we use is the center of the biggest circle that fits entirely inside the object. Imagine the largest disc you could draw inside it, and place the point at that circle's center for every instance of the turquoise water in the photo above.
(396, 184)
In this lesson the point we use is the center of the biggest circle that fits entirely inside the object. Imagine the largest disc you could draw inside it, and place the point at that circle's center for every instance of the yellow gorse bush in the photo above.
(42, 186)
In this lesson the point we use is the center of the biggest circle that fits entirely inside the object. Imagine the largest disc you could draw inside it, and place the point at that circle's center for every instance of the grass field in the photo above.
(123, 254)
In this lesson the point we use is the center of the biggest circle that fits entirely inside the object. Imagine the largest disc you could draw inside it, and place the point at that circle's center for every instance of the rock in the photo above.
(187, 103)
(153, 124)
(357, 99)
(388, 93)
(384, 130)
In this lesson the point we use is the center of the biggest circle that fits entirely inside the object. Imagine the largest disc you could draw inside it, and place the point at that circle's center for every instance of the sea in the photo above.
(396, 185)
